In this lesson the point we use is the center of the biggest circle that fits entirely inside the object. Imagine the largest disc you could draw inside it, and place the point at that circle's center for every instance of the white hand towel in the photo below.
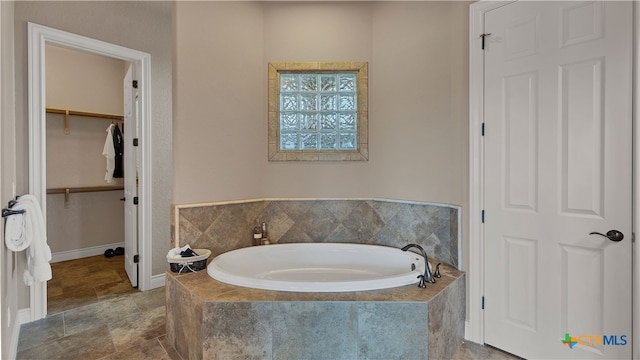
(176, 251)
(38, 254)
(15, 233)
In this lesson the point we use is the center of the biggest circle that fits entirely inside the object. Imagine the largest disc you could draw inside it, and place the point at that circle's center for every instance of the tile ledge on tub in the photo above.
(243, 201)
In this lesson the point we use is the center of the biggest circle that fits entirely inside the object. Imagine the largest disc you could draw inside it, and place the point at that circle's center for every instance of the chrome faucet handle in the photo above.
(422, 283)
(437, 272)
(430, 278)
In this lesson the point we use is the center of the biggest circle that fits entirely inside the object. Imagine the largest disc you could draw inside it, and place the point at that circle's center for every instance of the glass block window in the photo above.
(318, 111)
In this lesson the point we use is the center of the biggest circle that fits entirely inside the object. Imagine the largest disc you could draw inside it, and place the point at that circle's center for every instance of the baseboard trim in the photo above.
(468, 333)
(22, 316)
(466, 330)
(83, 253)
(13, 346)
(158, 281)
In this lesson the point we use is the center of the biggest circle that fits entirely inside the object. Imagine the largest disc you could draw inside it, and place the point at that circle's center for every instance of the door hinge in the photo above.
(135, 200)
(135, 142)
(136, 259)
(482, 130)
(135, 84)
(633, 237)
(482, 299)
(483, 36)
(482, 216)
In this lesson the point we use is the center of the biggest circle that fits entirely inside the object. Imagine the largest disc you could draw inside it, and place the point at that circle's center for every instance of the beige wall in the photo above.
(139, 25)
(417, 98)
(81, 81)
(219, 102)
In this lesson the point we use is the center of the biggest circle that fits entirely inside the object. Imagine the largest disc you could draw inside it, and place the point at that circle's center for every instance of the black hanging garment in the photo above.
(118, 146)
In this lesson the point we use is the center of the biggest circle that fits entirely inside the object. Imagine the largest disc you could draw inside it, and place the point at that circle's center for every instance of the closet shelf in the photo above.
(68, 113)
(84, 189)
(88, 114)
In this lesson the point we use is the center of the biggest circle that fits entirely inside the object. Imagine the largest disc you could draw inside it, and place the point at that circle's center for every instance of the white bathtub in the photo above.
(317, 267)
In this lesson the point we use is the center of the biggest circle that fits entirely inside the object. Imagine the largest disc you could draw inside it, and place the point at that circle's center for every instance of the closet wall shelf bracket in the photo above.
(66, 122)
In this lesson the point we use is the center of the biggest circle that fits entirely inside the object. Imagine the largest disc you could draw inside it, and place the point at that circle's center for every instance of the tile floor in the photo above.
(473, 351)
(85, 281)
(95, 314)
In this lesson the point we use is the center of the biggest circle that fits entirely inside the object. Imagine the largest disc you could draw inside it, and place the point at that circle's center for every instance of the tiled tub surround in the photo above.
(207, 319)
(226, 226)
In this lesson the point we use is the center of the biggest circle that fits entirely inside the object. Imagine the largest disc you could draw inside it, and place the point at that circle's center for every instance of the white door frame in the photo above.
(474, 327)
(38, 37)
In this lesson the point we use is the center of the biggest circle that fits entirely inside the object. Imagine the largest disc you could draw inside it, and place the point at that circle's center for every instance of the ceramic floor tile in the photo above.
(473, 351)
(173, 354)
(54, 288)
(150, 349)
(86, 298)
(92, 279)
(41, 331)
(71, 298)
(84, 281)
(133, 329)
(100, 313)
(114, 289)
(68, 271)
(100, 263)
(91, 344)
(150, 299)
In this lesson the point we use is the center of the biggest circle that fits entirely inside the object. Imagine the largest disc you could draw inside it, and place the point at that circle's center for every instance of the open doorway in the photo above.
(136, 188)
(85, 137)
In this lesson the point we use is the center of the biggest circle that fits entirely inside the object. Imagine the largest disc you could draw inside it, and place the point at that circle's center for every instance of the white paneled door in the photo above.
(558, 162)
(130, 179)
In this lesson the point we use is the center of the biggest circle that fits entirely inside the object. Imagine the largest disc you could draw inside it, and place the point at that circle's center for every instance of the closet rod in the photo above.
(67, 191)
(84, 189)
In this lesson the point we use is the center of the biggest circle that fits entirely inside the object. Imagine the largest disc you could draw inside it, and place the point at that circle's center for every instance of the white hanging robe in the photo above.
(109, 152)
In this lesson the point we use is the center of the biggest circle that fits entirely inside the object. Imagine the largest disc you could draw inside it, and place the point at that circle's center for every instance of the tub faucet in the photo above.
(427, 277)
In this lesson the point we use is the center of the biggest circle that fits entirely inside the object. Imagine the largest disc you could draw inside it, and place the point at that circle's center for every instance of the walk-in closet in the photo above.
(85, 177)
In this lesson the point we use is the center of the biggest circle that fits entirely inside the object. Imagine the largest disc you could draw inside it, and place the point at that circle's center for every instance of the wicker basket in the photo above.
(189, 264)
